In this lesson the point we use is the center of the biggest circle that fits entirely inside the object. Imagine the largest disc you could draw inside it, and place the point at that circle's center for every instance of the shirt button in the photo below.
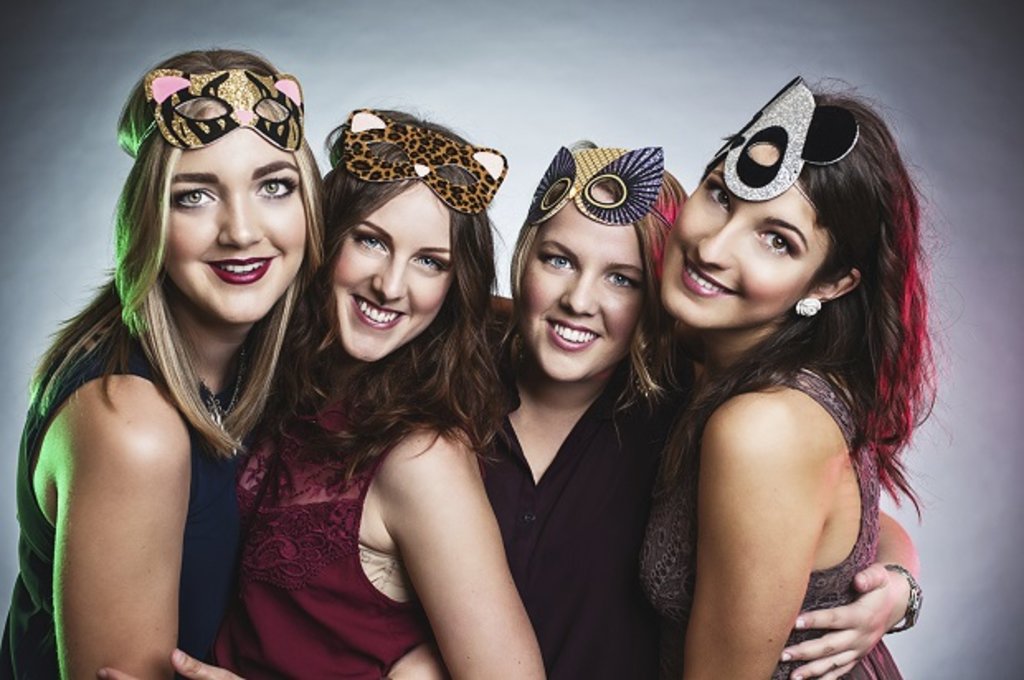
(528, 517)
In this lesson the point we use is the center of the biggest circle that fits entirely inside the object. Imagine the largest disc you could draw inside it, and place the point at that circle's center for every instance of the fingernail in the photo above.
(800, 623)
(798, 677)
(102, 673)
(786, 656)
(178, 656)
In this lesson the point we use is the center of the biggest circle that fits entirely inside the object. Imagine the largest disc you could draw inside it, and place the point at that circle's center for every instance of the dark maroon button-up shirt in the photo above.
(573, 539)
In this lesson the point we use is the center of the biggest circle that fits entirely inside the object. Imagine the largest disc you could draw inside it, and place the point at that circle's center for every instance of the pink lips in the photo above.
(692, 285)
(371, 322)
(240, 272)
(565, 344)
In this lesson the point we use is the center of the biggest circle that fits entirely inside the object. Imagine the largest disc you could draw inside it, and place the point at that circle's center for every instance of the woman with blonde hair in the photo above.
(129, 521)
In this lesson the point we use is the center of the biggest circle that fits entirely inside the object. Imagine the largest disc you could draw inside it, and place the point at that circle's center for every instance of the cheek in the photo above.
(428, 296)
(539, 293)
(623, 316)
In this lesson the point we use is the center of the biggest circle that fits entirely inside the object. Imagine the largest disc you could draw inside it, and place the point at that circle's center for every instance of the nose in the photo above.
(713, 247)
(580, 296)
(389, 281)
(238, 226)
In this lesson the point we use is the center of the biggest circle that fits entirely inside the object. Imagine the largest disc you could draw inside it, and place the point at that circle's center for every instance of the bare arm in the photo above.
(770, 467)
(433, 504)
(113, 476)
(857, 627)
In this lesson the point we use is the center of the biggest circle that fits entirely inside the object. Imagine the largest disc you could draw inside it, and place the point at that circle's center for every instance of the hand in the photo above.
(857, 627)
(422, 662)
(183, 664)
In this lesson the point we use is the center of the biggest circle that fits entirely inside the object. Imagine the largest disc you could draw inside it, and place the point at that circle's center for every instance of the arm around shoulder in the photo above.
(435, 507)
(114, 469)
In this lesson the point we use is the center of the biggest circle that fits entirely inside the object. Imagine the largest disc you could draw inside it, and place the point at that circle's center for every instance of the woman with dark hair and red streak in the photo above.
(795, 269)
(588, 367)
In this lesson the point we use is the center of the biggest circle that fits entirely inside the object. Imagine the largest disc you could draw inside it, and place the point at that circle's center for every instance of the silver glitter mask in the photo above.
(797, 131)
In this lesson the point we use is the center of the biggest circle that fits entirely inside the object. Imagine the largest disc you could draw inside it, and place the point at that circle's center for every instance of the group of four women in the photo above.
(296, 435)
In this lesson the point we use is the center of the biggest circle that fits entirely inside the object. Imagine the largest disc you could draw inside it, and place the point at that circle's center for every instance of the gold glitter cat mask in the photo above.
(633, 176)
(798, 130)
(369, 143)
(194, 110)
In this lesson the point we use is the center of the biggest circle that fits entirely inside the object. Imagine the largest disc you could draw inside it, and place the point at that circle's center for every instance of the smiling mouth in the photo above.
(241, 272)
(374, 316)
(572, 338)
(702, 284)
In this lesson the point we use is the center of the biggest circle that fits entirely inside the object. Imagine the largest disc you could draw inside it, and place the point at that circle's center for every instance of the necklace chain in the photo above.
(213, 405)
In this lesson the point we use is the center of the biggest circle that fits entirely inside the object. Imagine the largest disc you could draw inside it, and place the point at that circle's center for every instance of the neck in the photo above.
(724, 348)
(540, 391)
(216, 347)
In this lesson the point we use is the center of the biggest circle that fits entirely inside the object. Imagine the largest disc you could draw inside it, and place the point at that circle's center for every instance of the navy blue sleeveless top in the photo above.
(209, 555)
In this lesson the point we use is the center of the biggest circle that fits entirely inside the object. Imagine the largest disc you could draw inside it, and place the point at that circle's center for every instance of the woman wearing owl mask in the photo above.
(126, 473)
(595, 384)
(796, 270)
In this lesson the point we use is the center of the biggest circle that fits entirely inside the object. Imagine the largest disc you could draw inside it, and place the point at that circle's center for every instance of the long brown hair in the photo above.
(873, 342)
(443, 380)
(133, 305)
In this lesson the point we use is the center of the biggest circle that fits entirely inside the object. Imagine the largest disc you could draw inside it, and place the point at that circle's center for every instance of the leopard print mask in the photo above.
(193, 110)
(370, 141)
(634, 178)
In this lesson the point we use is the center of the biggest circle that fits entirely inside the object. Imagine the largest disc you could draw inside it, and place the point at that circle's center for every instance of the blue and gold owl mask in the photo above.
(634, 178)
(193, 110)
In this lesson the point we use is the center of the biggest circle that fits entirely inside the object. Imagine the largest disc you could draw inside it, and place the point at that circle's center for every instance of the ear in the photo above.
(838, 288)
(493, 162)
(163, 87)
(290, 87)
(366, 120)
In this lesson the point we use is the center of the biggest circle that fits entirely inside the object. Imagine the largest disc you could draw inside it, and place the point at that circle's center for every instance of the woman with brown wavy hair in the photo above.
(368, 530)
(796, 270)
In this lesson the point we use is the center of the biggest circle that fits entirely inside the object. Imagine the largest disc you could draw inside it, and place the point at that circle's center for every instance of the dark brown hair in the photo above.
(443, 380)
(871, 343)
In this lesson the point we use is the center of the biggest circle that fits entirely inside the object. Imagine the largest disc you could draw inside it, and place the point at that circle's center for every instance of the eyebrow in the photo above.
(270, 168)
(196, 177)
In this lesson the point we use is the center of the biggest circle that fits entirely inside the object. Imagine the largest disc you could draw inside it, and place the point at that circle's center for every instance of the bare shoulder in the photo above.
(424, 456)
(122, 424)
(770, 427)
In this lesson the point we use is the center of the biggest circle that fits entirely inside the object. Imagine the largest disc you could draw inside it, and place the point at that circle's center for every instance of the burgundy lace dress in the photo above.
(306, 607)
(668, 559)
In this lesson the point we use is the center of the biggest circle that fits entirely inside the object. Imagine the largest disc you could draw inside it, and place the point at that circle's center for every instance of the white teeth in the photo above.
(376, 314)
(241, 268)
(573, 335)
(702, 282)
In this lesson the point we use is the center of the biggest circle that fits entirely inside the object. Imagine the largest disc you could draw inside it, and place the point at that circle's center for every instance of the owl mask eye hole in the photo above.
(270, 110)
(606, 191)
(203, 108)
(555, 193)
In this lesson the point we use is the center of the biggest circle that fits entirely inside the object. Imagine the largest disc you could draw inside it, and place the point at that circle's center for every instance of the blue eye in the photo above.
(370, 242)
(556, 261)
(432, 263)
(623, 281)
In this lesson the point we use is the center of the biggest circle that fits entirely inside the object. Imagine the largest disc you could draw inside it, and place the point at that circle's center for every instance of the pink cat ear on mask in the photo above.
(164, 86)
(291, 89)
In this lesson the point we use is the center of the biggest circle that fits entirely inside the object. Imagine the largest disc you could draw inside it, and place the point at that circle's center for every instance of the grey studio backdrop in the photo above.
(526, 77)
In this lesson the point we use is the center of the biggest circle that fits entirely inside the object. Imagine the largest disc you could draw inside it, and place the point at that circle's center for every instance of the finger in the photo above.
(820, 648)
(838, 673)
(874, 577)
(829, 667)
(827, 619)
(197, 670)
(113, 674)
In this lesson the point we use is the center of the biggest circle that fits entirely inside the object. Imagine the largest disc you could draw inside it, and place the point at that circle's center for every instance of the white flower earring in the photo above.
(808, 306)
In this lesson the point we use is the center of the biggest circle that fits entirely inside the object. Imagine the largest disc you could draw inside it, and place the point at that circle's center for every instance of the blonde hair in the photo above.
(650, 348)
(133, 306)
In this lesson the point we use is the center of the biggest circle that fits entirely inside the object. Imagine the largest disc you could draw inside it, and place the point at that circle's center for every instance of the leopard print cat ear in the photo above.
(611, 186)
(378, 149)
(194, 110)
